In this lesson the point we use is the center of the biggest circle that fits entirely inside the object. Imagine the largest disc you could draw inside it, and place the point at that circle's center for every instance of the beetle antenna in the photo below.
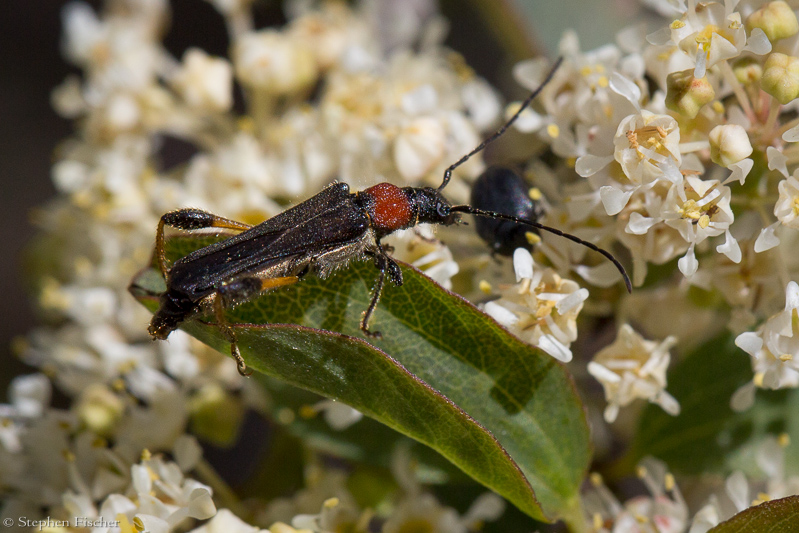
(491, 214)
(497, 134)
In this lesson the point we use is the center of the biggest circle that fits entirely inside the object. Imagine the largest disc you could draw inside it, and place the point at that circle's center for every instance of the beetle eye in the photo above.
(442, 210)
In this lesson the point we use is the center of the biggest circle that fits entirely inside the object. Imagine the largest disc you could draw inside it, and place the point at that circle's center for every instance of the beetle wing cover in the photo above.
(320, 224)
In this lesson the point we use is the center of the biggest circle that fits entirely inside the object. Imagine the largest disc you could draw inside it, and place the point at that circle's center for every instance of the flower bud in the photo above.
(776, 19)
(781, 77)
(686, 95)
(273, 62)
(729, 144)
(204, 82)
(747, 70)
(99, 409)
(419, 147)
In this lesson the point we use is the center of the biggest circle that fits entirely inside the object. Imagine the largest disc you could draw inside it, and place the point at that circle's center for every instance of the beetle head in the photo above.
(432, 207)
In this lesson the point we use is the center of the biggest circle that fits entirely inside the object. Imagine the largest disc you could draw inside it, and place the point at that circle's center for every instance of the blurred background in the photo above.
(491, 34)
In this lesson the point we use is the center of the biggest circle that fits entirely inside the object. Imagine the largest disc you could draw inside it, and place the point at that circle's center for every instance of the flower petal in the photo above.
(614, 199)
(555, 348)
(626, 88)
(777, 160)
(588, 165)
(730, 248)
(767, 239)
(688, 263)
(758, 43)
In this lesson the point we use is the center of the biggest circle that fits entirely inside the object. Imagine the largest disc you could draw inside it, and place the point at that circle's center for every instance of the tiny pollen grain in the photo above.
(307, 412)
(330, 503)
(632, 138)
(532, 238)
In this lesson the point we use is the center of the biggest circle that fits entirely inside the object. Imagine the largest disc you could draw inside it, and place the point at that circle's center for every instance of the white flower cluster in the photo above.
(740, 493)
(541, 309)
(401, 115)
(633, 368)
(774, 349)
(662, 510)
(679, 146)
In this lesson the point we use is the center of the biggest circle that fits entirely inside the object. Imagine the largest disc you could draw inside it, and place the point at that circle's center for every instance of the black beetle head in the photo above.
(432, 207)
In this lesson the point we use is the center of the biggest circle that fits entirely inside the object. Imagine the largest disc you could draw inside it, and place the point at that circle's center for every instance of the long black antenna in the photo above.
(491, 214)
(500, 131)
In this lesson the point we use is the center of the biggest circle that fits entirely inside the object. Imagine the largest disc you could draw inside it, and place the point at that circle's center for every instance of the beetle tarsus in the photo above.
(240, 364)
(381, 264)
(227, 331)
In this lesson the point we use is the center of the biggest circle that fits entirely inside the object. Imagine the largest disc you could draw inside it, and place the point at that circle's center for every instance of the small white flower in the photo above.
(774, 346)
(331, 32)
(29, 395)
(729, 144)
(205, 82)
(274, 62)
(647, 147)
(417, 510)
(419, 148)
(787, 207)
(419, 247)
(644, 233)
(709, 33)
(741, 493)
(541, 309)
(226, 522)
(663, 509)
(166, 497)
(481, 102)
(633, 368)
(698, 209)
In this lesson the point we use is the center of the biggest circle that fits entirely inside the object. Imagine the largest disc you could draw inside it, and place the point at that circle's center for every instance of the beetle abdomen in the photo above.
(174, 308)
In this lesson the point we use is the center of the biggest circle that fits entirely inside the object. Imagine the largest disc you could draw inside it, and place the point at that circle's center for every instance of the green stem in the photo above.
(574, 516)
(740, 94)
(773, 113)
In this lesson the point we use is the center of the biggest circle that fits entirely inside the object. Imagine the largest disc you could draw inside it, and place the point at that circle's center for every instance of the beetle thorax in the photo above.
(389, 208)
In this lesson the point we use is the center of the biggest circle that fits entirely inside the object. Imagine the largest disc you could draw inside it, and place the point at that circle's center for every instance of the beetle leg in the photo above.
(227, 331)
(190, 219)
(367, 315)
(235, 291)
(384, 264)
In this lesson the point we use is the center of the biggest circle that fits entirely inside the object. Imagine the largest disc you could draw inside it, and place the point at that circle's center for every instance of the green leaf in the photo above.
(775, 516)
(367, 442)
(708, 435)
(705, 430)
(444, 374)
